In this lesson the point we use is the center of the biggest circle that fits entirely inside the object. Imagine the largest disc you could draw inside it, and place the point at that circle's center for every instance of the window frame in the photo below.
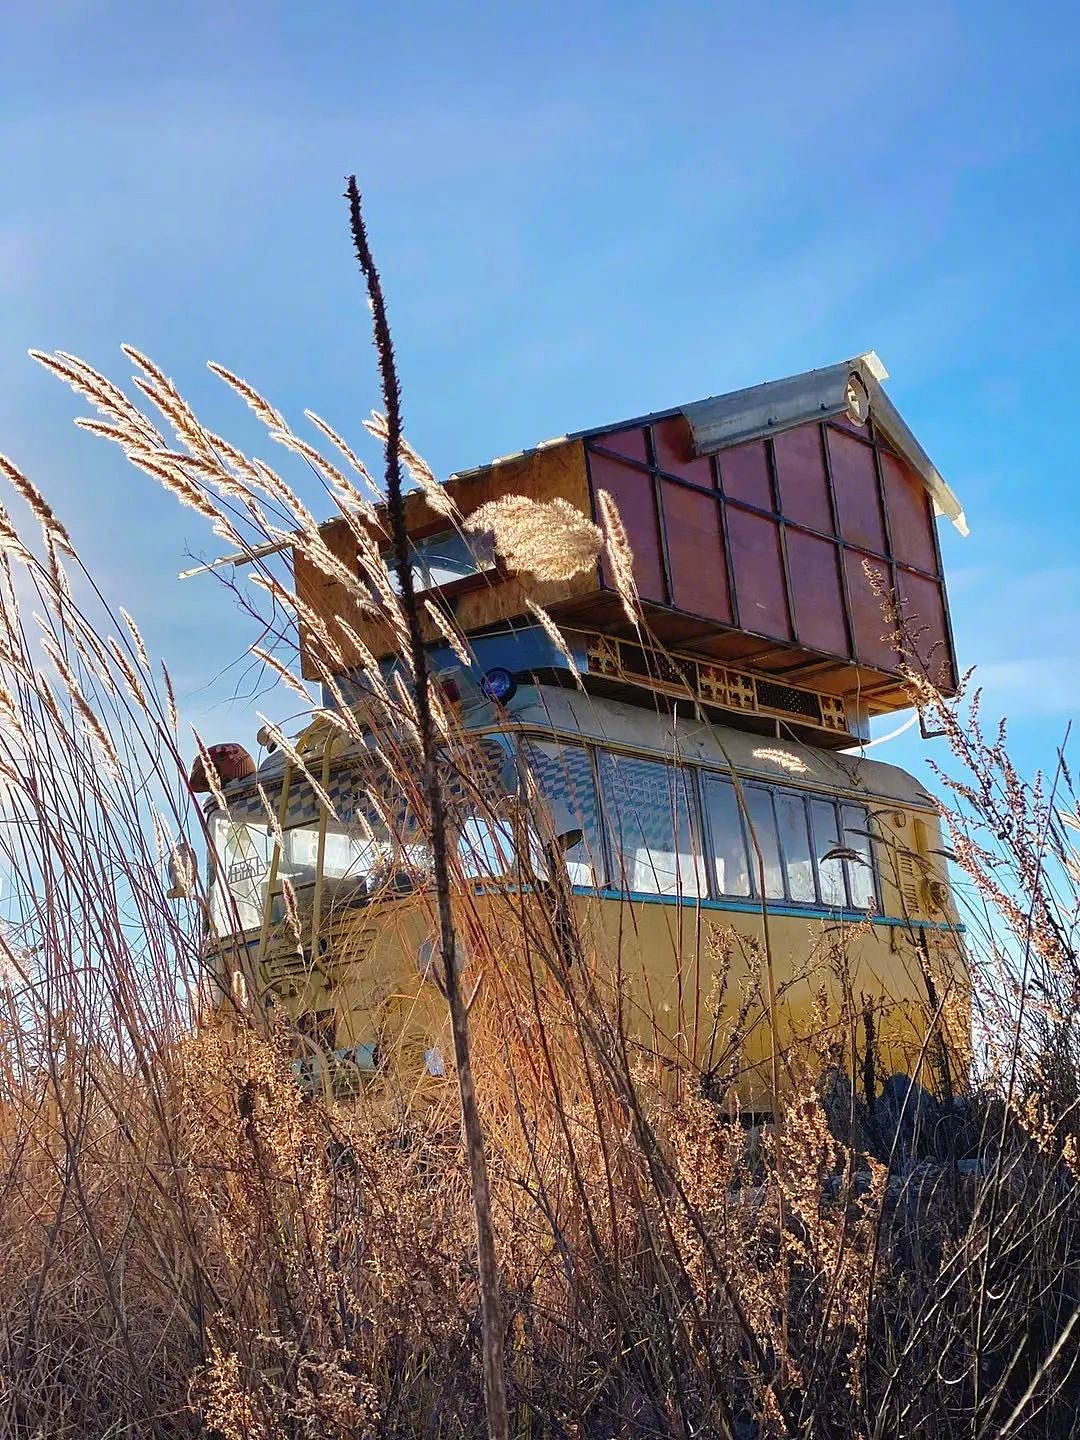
(838, 826)
(875, 906)
(807, 797)
(724, 777)
(751, 853)
(701, 829)
(818, 902)
(699, 857)
(488, 566)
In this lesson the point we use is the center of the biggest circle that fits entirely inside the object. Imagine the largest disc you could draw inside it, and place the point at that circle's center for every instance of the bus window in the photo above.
(486, 847)
(564, 777)
(440, 561)
(352, 857)
(373, 841)
(727, 842)
(860, 872)
(826, 838)
(795, 843)
(759, 802)
(243, 850)
(652, 826)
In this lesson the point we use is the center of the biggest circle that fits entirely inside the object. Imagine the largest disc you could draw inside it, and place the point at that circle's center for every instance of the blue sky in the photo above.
(582, 213)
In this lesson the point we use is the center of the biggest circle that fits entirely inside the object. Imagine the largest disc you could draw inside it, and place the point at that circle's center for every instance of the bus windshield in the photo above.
(373, 843)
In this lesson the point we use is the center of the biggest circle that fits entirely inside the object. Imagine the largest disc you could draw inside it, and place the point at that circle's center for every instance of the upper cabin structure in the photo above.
(769, 528)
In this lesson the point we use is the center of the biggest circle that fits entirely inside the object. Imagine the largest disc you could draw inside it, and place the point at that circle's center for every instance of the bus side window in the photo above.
(826, 838)
(860, 872)
(564, 777)
(652, 826)
(486, 847)
(727, 840)
(795, 841)
(763, 837)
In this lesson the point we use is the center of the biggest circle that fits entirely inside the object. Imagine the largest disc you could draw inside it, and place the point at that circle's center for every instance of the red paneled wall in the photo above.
(793, 538)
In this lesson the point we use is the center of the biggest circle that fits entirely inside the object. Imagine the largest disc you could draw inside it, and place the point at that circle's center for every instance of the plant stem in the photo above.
(487, 1261)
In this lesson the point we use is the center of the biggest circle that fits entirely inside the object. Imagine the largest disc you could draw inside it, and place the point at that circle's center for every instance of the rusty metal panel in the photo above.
(630, 443)
(855, 485)
(757, 563)
(632, 491)
(723, 552)
(870, 624)
(910, 520)
(695, 544)
(925, 627)
(673, 448)
(800, 472)
(817, 593)
(744, 474)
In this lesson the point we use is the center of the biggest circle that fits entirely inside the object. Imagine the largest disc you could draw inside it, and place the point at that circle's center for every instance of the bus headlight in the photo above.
(498, 685)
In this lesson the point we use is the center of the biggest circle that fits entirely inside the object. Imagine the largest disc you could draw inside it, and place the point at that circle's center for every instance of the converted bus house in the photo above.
(696, 770)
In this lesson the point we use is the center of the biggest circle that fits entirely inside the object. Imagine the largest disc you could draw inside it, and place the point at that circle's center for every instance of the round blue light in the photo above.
(498, 685)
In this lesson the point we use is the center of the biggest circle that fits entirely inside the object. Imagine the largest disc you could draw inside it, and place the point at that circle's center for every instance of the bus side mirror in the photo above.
(568, 839)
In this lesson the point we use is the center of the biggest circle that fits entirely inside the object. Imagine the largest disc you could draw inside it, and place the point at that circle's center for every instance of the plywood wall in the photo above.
(556, 471)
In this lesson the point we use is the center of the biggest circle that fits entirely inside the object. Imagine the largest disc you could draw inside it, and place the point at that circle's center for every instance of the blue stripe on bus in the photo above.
(753, 907)
(742, 907)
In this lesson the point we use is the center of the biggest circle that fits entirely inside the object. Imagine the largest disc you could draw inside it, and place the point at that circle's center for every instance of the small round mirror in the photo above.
(857, 399)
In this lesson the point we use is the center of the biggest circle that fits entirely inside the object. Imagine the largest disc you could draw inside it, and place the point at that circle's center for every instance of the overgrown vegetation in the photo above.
(194, 1246)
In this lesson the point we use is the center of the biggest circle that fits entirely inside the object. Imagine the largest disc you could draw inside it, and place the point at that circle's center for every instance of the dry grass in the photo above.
(193, 1246)
(549, 539)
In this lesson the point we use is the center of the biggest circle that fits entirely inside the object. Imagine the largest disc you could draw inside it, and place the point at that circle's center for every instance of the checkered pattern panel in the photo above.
(352, 793)
(652, 825)
(564, 773)
(367, 793)
(564, 776)
(645, 799)
(249, 808)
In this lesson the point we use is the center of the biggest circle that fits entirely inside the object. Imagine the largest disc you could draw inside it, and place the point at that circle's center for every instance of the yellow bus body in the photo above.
(879, 989)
